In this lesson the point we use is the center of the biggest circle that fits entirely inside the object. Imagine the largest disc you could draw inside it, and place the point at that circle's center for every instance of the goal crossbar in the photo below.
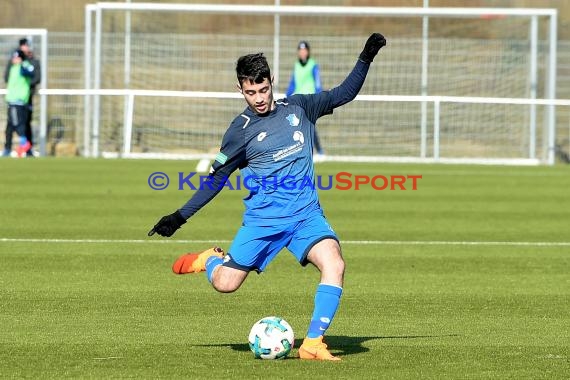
(290, 10)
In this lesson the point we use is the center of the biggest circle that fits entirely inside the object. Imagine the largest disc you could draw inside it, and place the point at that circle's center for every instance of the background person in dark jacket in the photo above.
(24, 46)
(17, 97)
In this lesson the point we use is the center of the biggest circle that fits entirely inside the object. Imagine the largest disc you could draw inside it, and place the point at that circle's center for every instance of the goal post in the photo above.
(95, 55)
(15, 34)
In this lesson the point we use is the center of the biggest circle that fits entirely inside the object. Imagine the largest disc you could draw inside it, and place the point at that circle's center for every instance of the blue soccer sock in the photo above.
(327, 299)
(212, 263)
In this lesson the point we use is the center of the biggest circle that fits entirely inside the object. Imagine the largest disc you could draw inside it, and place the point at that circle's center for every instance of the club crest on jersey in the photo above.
(261, 136)
(293, 120)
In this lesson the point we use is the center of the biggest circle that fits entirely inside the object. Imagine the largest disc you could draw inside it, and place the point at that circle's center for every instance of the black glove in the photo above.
(167, 225)
(374, 43)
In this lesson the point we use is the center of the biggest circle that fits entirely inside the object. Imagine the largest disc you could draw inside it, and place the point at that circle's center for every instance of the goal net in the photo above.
(169, 47)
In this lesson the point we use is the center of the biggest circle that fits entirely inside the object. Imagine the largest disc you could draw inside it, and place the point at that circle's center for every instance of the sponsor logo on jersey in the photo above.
(298, 136)
(292, 149)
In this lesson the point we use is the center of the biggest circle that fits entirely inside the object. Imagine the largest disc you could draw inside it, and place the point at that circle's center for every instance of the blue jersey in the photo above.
(274, 155)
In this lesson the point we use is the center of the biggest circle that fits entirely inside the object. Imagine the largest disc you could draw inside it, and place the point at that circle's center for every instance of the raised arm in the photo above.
(351, 86)
(323, 103)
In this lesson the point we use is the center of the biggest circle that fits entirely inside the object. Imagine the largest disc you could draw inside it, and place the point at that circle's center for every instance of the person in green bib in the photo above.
(306, 79)
(18, 79)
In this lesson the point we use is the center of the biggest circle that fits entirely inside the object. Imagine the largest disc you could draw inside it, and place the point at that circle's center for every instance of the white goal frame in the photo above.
(43, 34)
(93, 58)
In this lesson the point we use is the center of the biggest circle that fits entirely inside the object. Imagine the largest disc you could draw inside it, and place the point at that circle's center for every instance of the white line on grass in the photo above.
(356, 242)
(109, 358)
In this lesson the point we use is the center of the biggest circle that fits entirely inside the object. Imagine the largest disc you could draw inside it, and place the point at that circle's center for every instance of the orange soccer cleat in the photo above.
(315, 349)
(195, 262)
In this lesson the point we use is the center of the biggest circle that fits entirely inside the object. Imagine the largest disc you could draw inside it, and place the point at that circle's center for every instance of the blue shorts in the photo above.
(254, 247)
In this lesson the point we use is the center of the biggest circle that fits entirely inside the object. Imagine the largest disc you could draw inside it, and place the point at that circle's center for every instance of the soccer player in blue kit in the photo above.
(271, 143)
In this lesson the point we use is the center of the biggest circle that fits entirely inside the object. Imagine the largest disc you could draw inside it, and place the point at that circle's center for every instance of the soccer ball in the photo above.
(271, 338)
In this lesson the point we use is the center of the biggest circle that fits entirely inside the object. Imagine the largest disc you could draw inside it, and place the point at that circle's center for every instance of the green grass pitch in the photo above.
(430, 290)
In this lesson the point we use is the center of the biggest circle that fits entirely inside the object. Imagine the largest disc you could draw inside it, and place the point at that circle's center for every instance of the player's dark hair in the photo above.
(252, 67)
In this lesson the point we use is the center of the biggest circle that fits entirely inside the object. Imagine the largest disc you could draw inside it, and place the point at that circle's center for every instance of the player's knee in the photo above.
(222, 285)
(338, 266)
(226, 279)
(334, 266)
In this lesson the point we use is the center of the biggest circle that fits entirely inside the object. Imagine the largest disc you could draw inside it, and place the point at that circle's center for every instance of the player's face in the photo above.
(303, 54)
(259, 96)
